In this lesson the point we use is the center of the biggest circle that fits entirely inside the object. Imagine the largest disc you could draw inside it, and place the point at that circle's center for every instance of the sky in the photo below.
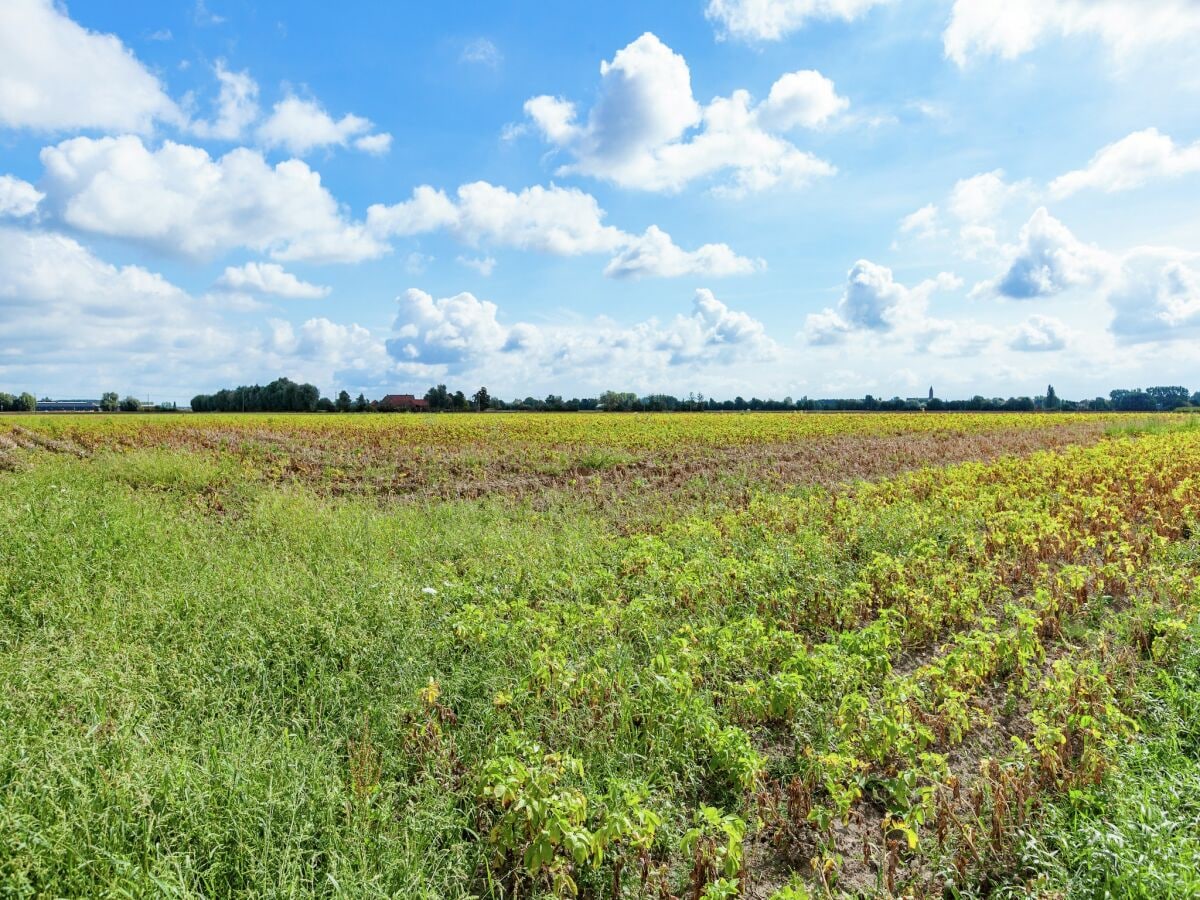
(727, 197)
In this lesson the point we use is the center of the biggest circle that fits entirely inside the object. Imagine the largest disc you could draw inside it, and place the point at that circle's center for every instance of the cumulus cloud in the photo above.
(655, 254)
(873, 302)
(72, 319)
(56, 75)
(445, 331)
(922, 223)
(1129, 163)
(18, 198)
(646, 131)
(462, 333)
(237, 106)
(1013, 28)
(301, 126)
(181, 200)
(1039, 334)
(971, 213)
(1156, 297)
(1048, 260)
(270, 278)
(772, 20)
(556, 220)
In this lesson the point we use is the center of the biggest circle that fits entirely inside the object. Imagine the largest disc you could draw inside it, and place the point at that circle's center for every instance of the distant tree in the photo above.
(325, 405)
(361, 404)
(459, 402)
(109, 401)
(7, 402)
(1168, 397)
(438, 397)
(1132, 401)
(131, 404)
(26, 403)
(618, 401)
(343, 402)
(1052, 401)
(482, 399)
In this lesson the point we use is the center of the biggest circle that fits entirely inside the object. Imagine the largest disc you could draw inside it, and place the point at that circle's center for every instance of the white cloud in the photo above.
(1129, 163)
(270, 278)
(923, 223)
(1014, 27)
(1039, 334)
(73, 320)
(463, 333)
(301, 126)
(237, 106)
(56, 75)
(805, 98)
(18, 198)
(655, 254)
(481, 51)
(1156, 296)
(202, 16)
(981, 198)
(556, 220)
(873, 302)
(374, 144)
(1048, 260)
(771, 20)
(971, 213)
(637, 134)
(484, 265)
(416, 263)
(446, 331)
(179, 199)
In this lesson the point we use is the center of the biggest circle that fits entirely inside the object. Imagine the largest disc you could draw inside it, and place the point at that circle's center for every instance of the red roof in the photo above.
(404, 401)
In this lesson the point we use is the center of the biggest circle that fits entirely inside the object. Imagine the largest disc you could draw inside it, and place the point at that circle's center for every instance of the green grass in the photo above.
(218, 686)
(1138, 834)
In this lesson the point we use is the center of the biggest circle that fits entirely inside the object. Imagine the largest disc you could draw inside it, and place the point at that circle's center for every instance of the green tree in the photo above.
(7, 402)
(361, 404)
(1168, 397)
(482, 399)
(343, 402)
(131, 404)
(439, 397)
(1052, 401)
(26, 403)
(109, 401)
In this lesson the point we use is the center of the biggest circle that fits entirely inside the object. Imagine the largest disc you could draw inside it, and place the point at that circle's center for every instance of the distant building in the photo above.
(397, 402)
(68, 406)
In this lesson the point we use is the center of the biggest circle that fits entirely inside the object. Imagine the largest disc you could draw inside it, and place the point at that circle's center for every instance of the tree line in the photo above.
(283, 395)
(25, 402)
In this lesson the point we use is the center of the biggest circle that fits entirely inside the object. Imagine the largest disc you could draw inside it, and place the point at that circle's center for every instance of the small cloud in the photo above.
(1039, 334)
(482, 52)
(163, 34)
(375, 144)
(416, 263)
(484, 265)
(269, 278)
(203, 16)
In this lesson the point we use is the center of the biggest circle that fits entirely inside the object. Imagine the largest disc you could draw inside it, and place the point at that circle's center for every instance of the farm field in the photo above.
(646, 656)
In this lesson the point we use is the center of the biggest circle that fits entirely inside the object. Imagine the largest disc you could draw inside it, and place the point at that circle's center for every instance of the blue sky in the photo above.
(757, 197)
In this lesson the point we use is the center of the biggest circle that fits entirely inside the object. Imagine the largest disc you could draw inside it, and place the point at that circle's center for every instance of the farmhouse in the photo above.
(395, 402)
(68, 406)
